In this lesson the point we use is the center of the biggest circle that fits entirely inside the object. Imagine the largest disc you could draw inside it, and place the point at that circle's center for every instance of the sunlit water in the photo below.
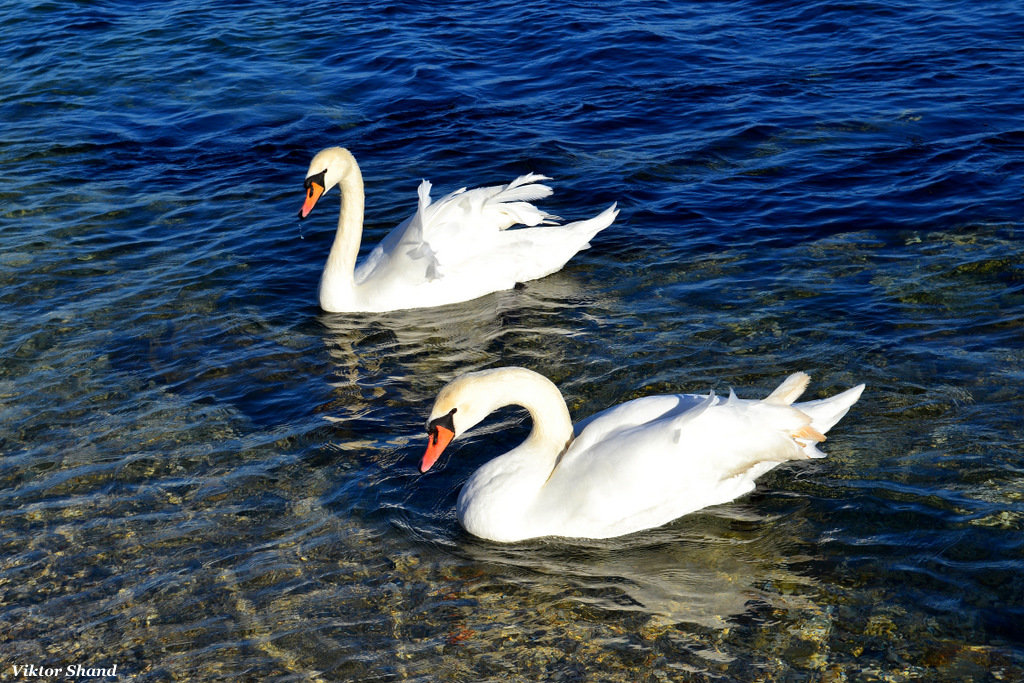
(204, 477)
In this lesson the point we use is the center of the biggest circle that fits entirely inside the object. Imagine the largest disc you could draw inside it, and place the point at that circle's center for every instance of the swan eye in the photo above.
(316, 178)
(446, 421)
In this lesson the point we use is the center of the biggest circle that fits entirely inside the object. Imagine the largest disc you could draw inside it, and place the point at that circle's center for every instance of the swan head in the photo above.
(459, 406)
(326, 170)
(440, 432)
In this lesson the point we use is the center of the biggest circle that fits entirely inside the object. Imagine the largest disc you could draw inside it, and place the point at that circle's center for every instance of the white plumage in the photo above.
(454, 249)
(635, 466)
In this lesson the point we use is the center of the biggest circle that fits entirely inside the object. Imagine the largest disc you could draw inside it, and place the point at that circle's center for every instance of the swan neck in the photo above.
(341, 261)
(552, 425)
(498, 500)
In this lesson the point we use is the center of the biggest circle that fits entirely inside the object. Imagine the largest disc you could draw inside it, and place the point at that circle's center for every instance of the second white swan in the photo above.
(452, 250)
(635, 466)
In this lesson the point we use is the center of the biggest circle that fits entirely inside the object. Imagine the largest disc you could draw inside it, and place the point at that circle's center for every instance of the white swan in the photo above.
(452, 250)
(634, 466)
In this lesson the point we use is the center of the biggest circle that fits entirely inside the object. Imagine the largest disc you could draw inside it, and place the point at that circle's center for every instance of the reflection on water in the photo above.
(242, 489)
(704, 570)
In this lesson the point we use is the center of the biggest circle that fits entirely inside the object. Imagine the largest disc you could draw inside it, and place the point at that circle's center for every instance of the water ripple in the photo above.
(204, 477)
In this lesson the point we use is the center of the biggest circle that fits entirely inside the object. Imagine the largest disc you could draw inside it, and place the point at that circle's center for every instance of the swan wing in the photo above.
(456, 227)
(601, 426)
(631, 474)
(460, 246)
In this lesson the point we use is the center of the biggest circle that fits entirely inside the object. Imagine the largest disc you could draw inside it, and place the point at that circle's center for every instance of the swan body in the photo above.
(455, 249)
(634, 466)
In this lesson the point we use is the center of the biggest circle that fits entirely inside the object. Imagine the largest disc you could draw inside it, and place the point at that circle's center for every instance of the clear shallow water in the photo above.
(204, 477)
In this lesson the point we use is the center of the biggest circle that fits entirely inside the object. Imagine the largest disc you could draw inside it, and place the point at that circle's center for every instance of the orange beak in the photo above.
(439, 439)
(313, 192)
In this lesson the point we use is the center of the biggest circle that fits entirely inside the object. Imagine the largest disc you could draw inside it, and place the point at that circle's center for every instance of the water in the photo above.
(203, 477)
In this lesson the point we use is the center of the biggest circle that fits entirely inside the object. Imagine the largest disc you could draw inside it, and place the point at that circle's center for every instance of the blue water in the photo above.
(204, 477)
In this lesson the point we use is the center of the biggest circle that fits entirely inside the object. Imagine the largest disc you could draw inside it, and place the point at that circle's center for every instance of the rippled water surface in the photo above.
(204, 477)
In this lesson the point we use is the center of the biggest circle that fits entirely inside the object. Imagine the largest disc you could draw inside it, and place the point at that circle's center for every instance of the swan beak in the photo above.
(439, 439)
(313, 192)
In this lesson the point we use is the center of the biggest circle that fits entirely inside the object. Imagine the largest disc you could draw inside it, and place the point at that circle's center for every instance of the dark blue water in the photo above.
(203, 477)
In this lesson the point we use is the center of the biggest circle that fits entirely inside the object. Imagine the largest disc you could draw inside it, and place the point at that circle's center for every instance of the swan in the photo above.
(634, 466)
(452, 250)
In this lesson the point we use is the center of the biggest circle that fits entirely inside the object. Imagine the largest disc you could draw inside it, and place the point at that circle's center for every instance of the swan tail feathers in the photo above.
(590, 227)
(424, 193)
(809, 433)
(510, 205)
(820, 416)
(810, 451)
(525, 213)
(790, 389)
(525, 188)
(826, 412)
(514, 199)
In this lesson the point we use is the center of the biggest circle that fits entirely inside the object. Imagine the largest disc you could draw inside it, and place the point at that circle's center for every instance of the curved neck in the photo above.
(497, 502)
(341, 261)
(552, 425)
